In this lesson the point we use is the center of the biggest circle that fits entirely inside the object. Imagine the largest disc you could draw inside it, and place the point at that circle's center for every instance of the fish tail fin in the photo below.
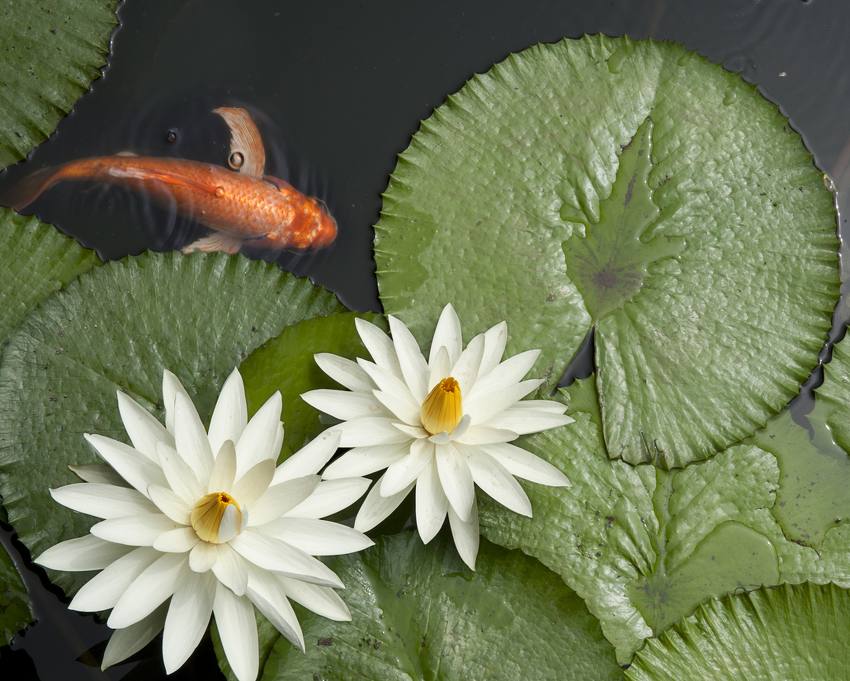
(216, 241)
(30, 188)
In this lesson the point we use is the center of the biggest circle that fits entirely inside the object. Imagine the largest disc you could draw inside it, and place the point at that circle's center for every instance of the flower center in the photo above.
(217, 518)
(442, 409)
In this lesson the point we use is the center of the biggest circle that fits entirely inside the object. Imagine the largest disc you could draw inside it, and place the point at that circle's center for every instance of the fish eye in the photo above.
(236, 160)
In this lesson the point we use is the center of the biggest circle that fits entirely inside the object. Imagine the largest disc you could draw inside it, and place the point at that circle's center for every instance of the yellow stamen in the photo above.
(208, 513)
(442, 409)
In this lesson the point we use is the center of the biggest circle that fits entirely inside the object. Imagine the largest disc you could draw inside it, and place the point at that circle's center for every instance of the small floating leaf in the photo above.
(793, 633)
(50, 52)
(636, 188)
(117, 327)
(419, 613)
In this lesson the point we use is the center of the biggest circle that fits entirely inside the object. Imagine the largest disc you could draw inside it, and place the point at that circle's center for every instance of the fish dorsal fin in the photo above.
(247, 153)
(282, 185)
(126, 153)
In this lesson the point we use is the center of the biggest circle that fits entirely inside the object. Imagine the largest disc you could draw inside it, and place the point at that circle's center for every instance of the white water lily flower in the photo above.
(441, 426)
(206, 520)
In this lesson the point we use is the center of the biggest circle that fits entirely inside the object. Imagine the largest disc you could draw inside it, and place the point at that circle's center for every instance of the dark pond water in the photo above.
(339, 88)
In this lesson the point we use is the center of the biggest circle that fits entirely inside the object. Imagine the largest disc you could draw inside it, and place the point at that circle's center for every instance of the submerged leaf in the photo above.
(419, 613)
(15, 610)
(50, 51)
(116, 328)
(638, 189)
(793, 633)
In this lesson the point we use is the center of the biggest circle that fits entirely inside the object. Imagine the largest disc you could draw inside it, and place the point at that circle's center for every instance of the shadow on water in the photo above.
(338, 88)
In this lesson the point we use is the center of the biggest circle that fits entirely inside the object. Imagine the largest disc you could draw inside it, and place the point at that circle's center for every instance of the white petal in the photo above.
(379, 345)
(170, 504)
(268, 596)
(98, 472)
(342, 404)
(413, 432)
(370, 430)
(203, 556)
(81, 554)
(549, 406)
(318, 537)
(485, 435)
(484, 405)
(508, 373)
(405, 471)
(234, 618)
(102, 501)
(103, 590)
(447, 335)
(495, 339)
(136, 530)
(129, 641)
(230, 569)
(365, 460)
(309, 459)
(178, 540)
(322, 600)
(142, 427)
(230, 414)
(376, 508)
(187, 619)
(273, 554)
(331, 496)
(465, 370)
(413, 366)
(524, 421)
(134, 467)
(344, 371)
(440, 367)
(465, 535)
(392, 392)
(171, 387)
(492, 477)
(179, 476)
(456, 480)
(223, 472)
(278, 499)
(526, 465)
(153, 586)
(431, 503)
(253, 484)
(191, 439)
(258, 439)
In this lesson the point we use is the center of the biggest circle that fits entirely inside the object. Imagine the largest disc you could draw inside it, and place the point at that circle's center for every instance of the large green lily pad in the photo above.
(419, 613)
(50, 52)
(644, 547)
(286, 364)
(634, 188)
(117, 327)
(36, 261)
(791, 633)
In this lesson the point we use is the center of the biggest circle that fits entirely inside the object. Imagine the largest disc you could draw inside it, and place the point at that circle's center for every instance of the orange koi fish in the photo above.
(245, 206)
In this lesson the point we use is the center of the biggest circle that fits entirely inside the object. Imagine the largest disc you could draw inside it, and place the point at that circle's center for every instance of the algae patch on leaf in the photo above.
(636, 188)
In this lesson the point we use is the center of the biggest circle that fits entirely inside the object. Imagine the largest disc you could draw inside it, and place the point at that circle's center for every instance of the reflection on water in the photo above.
(340, 87)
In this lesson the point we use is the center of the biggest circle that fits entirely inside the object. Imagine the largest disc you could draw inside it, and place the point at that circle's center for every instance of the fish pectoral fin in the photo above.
(215, 242)
(247, 153)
